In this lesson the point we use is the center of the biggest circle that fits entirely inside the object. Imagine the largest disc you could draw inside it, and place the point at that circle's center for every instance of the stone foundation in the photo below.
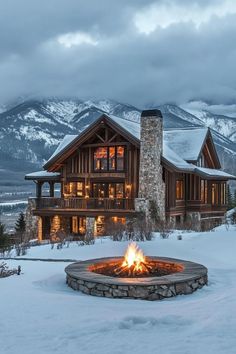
(193, 277)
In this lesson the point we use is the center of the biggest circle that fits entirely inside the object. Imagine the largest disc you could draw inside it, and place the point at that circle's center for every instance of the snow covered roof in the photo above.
(42, 175)
(179, 146)
(210, 172)
(65, 142)
(176, 160)
(187, 143)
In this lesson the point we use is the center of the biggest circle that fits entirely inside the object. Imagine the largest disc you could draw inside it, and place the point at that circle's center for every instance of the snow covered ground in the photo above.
(40, 314)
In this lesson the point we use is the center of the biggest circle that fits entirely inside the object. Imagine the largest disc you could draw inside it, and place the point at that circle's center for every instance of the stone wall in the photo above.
(151, 185)
(81, 277)
(90, 228)
(31, 220)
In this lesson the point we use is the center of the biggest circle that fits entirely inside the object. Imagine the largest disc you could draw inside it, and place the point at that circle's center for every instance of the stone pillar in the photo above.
(151, 185)
(55, 226)
(31, 221)
(90, 227)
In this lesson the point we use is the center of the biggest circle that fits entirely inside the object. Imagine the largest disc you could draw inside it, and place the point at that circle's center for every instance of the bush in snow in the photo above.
(6, 272)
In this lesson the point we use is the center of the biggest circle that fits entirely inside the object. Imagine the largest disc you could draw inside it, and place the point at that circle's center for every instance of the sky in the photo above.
(137, 51)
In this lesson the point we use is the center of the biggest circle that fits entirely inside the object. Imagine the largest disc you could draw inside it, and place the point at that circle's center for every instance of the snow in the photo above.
(187, 143)
(214, 173)
(40, 314)
(65, 141)
(176, 160)
(13, 203)
(179, 145)
(41, 174)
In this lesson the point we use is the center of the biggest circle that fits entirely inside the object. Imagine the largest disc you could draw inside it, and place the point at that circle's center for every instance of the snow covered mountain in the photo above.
(30, 131)
(221, 123)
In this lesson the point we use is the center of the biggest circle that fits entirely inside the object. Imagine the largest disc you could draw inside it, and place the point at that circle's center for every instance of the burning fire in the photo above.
(134, 258)
(134, 263)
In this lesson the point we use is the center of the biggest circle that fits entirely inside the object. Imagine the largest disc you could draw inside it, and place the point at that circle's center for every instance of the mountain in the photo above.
(31, 130)
(221, 123)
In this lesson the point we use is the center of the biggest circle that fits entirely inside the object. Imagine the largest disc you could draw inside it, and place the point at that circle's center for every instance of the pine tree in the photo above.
(20, 223)
(3, 237)
(235, 198)
(20, 226)
(230, 201)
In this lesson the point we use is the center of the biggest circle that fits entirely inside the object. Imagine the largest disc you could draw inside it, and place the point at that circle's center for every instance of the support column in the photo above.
(90, 227)
(40, 229)
(39, 189)
(51, 189)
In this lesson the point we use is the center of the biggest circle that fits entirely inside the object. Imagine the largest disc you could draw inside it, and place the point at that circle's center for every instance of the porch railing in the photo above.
(83, 203)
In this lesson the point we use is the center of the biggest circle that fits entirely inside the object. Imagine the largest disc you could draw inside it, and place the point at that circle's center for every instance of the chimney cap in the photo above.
(151, 113)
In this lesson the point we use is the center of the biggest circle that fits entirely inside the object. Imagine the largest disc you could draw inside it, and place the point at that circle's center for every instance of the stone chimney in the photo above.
(151, 185)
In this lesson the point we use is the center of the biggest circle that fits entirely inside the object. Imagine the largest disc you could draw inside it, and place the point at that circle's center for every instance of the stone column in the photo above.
(90, 227)
(151, 184)
(31, 221)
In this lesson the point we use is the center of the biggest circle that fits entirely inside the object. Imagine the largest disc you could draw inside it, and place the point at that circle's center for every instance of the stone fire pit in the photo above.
(180, 278)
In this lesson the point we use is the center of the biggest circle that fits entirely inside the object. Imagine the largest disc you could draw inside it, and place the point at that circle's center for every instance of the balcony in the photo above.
(85, 203)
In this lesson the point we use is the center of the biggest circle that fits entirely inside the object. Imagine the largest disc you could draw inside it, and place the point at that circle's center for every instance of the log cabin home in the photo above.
(116, 167)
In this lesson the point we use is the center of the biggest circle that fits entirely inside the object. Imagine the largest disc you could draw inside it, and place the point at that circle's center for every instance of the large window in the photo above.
(204, 191)
(179, 189)
(74, 189)
(109, 158)
(218, 193)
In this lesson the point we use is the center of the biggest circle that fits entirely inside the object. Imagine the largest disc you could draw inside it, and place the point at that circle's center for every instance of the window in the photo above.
(203, 191)
(74, 189)
(100, 159)
(109, 158)
(120, 158)
(179, 189)
(214, 193)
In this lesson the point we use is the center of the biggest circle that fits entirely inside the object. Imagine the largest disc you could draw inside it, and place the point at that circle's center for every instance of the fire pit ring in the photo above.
(189, 277)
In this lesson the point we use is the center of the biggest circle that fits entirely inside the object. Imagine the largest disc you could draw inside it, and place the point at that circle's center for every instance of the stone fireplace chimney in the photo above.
(151, 185)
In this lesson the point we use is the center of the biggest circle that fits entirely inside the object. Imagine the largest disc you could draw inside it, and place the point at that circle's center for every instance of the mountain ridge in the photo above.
(31, 130)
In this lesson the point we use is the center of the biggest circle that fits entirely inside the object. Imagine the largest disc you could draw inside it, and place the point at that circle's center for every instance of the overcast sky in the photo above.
(134, 51)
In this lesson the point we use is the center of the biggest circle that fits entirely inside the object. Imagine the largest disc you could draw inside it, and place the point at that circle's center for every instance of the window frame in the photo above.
(108, 160)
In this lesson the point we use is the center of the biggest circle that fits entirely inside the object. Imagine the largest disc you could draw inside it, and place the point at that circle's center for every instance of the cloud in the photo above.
(95, 49)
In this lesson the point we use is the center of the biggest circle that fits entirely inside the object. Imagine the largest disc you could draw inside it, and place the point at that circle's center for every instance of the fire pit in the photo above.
(136, 276)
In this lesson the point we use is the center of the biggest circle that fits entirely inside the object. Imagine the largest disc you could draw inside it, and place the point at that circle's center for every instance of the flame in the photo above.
(134, 258)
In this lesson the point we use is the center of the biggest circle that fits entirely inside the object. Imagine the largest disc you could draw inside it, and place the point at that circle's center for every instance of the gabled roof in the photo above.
(187, 143)
(179, 145)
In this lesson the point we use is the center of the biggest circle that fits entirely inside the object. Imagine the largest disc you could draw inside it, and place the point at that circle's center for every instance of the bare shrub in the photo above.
(137, 228)
(164, 228)
(115, 229)
(5, 271)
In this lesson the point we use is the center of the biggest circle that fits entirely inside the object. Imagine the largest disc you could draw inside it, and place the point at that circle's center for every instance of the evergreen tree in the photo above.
(20, 226)
(20, 223)
(230, 200)
(235, 198)
(3, 238)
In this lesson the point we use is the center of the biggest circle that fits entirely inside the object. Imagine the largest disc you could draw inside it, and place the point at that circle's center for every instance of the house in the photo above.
(115, 167)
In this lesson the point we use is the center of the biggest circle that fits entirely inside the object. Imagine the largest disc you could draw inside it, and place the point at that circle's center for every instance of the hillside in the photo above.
(31, 130)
